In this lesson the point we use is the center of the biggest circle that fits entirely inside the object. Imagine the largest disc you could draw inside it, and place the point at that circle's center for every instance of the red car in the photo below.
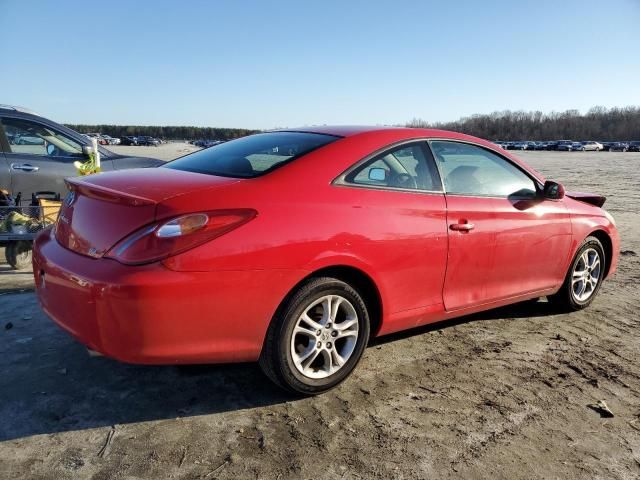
(295, 247)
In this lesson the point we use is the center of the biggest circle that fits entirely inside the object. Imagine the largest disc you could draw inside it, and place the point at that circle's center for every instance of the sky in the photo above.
(268, 64)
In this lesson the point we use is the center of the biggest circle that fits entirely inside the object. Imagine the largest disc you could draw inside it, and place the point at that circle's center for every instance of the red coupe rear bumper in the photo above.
(152, 315)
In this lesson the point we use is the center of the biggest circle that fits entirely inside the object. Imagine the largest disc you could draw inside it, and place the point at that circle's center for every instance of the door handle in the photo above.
(462, 227)
(25, 167)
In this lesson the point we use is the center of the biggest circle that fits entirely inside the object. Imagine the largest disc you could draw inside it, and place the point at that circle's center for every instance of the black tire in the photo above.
(18, 254)
(276, 359)
(566, 300)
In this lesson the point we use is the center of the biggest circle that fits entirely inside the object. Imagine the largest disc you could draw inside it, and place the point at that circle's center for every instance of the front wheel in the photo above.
(317, 337)
(584, 277)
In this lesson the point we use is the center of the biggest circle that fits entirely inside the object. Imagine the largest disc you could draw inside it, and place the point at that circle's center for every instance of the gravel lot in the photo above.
(500, 395)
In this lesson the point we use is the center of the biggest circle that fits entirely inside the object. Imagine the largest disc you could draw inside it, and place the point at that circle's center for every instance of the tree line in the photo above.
(165, 133)
(599, 123)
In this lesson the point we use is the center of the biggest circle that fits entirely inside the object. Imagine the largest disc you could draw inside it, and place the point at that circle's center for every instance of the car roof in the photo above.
(401, 132)
(391, 134)
(13, 108)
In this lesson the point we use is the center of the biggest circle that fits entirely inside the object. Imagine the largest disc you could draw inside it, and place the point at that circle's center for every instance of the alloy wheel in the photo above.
(586, 275)
(324, 336)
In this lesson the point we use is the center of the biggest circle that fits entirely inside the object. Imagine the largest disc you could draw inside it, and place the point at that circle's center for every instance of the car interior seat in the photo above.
(462, 179)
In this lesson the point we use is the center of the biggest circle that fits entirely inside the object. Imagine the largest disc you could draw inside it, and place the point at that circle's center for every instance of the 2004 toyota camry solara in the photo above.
(294, 248)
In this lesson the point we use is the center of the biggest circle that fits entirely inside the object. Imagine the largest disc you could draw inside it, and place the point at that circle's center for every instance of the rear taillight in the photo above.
(173, 236)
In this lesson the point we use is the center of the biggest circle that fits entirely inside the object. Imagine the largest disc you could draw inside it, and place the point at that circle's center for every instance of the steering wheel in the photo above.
(404, 180)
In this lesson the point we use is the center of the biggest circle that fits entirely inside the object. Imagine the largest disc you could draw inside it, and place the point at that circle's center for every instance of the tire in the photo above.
(567, 299)
(18, 254)
(285, 354)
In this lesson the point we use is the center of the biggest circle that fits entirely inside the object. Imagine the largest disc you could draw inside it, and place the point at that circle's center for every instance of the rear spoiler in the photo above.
(591, 198)
(106, 194)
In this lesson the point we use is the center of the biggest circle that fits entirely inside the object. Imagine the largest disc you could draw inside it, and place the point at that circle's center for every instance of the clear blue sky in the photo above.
(261, 64)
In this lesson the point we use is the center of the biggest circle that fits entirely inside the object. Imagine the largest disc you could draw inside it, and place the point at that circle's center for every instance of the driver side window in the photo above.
(31, 138)
(474, 171)
(404, 167)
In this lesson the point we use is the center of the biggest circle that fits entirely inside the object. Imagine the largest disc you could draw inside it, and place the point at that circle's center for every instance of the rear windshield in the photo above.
(251, 156)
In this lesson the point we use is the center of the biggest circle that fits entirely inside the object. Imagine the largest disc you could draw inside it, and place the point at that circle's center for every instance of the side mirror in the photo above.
(553, 190)
(377, 174)
(87, 150)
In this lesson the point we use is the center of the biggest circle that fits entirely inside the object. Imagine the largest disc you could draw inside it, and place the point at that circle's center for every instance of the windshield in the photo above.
(251, 156)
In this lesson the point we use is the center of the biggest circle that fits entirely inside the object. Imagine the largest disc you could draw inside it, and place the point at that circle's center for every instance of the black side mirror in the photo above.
(553, 190)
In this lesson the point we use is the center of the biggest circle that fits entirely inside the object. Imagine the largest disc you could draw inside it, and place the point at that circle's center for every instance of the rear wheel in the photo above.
(584, 277)
(18, 254)
(317, 338)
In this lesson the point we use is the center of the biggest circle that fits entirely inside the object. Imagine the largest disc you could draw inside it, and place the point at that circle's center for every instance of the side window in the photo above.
(471, 170)
(33, 138)
(406, 167)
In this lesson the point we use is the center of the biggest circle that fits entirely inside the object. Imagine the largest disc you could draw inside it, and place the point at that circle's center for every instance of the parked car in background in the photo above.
(565, 145)
(27, 139)
(129, 140)
(42, 163)
(413, 226)
(148, 141)
(206, 143)
(540, 146)
(619, 147)
(606, 146)
(552, 145)
(520, 145)
(634, 146)
(590, 145)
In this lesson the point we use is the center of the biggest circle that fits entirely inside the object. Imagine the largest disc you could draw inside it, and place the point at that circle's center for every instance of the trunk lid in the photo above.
(102, 209)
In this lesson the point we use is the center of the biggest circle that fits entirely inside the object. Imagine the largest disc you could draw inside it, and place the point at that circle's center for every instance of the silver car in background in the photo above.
(591, 145)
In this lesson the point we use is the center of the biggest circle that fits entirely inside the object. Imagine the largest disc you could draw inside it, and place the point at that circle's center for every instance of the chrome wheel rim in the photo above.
(586, 275)
(324, 336)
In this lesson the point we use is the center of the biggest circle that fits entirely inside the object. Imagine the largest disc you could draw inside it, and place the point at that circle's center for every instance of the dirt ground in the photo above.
(501, 395)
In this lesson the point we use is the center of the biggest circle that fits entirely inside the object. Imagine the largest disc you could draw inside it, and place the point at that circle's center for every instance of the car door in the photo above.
(401, 212)
(505, 240)
(39, 158)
